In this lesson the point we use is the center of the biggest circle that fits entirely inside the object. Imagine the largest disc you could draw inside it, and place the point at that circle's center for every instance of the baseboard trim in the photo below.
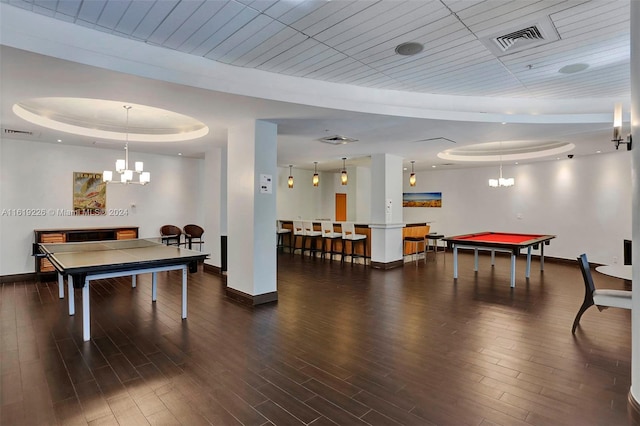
(633, 408)
(210, 269)
(387, 265)
(249, 300)
(29, 276)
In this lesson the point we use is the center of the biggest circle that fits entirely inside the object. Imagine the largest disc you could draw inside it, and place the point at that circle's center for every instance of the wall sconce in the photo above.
(412, 178)
(617, 128)
(290, 180)
(343, 175)
(316, 178)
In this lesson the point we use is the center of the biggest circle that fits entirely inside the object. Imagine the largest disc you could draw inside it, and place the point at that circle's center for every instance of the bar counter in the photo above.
(409, 229)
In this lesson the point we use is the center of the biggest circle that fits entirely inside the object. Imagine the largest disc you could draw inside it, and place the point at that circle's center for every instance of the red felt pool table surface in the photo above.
(502, 237)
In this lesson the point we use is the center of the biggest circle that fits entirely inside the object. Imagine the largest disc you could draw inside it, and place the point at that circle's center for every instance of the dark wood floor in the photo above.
(344, 344)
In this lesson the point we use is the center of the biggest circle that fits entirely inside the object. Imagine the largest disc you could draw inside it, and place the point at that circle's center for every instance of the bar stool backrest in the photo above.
(298, 228)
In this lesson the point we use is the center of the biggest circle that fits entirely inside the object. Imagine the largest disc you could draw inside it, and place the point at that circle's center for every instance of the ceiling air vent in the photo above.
(18, 132)
(337, 140)
(506, 41)
(522, 37)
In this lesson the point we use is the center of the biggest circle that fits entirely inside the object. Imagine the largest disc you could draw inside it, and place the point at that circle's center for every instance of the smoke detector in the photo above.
(522, 37)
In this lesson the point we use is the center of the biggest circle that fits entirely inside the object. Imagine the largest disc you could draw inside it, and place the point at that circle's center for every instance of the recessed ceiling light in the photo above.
(434, 166)
(59, 140)
(573, 68)
(179, 153)
(409, 48)
(598, 152)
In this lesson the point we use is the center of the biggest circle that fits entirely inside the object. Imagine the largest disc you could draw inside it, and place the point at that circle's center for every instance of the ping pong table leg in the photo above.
(528, 262)
(184, 292)
(455, 262)
(72, 302)
(475, 254)
(493, 258)
(86, 320)
(154, 287)
(60, 286)
(513, 270)
(542, 256)
(133, 280)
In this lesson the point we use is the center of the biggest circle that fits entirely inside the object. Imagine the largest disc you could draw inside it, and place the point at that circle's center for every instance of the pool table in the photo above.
(511, 243)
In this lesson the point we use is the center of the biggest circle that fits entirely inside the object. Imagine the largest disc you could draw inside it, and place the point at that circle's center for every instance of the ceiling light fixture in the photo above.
(290, 180)
(412, 178)
(343, 174)
(122, 166)
(316, 178)
(617, 128)
(506, 182)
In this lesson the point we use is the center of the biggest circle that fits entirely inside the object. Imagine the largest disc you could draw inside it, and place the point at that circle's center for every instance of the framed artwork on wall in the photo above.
(422, 199)
(89, 194)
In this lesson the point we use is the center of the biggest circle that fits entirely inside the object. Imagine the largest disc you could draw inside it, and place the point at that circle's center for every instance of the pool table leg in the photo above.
(72, 303)
(455, 262)
(528, 262)
(86, 320)
(513, 270)
(475, 254)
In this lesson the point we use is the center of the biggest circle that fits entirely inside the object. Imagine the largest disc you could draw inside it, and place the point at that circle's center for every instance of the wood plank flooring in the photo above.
(344, 345)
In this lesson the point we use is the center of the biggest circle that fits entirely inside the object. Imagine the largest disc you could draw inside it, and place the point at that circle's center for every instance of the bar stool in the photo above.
(315, 236)
(298, 233)
(349, 234)
(432, 239)
(329, 234)
(281, 232)
(415, 242)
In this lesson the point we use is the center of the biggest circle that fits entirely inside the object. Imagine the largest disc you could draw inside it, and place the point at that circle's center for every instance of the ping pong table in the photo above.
(84, 262)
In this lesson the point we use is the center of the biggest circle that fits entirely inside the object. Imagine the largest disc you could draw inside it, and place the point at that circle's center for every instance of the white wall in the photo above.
(39, 175)
(585, 201)
(303, 201)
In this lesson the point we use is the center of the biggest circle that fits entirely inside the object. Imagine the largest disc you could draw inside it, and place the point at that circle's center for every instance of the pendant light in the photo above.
(506, 182)
(316, 178)
(412, 178)
(290, 180)
(343, 175)
(122, 166)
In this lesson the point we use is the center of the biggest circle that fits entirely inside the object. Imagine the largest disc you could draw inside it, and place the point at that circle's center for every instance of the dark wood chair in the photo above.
(603, 299)
(193, 235)
(171, 235)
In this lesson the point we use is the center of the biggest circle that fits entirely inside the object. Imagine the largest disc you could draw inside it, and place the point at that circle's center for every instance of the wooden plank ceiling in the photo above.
(353, 42)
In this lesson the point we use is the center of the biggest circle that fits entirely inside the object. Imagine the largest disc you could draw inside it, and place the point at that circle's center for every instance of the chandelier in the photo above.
(122, 166)
(501, 181)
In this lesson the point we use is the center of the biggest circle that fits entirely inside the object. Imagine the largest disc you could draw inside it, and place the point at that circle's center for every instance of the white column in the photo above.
(215, 207)
(635, 181)
(386, 209)
(251, 214)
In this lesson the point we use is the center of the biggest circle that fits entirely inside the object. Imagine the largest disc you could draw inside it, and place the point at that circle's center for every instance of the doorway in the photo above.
(341, 207)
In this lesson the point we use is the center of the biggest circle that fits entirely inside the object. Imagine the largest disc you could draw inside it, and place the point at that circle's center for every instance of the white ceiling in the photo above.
(349, 44)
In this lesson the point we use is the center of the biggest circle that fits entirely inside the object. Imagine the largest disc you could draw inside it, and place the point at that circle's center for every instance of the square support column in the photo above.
(386, 211)
(251, 218)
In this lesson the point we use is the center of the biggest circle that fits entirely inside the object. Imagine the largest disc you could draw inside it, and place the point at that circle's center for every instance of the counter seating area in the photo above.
(329, 245)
